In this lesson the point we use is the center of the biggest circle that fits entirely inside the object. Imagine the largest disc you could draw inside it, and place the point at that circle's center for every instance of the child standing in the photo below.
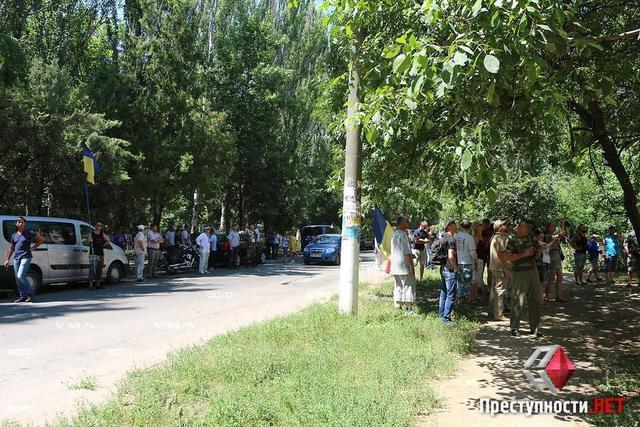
(593, 251)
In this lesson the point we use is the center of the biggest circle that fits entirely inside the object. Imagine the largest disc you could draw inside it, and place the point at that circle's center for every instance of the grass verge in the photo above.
(311, 368)
(620, 378)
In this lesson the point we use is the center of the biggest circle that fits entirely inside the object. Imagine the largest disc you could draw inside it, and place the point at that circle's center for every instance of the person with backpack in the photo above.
(444, 254)
(632, 249)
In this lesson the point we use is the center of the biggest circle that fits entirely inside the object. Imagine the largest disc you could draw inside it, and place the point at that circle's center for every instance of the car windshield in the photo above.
(328, 239)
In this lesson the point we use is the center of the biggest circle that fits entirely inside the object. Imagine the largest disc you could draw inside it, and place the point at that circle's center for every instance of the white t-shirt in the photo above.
(465, 248)
(136, 243)
(399, 248)
(151, 236)
(234, 238)
(203, 241)
(546, 258)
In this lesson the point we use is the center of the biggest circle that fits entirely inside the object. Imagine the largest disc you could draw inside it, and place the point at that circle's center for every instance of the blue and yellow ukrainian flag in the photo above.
(382, 231)
(91, 166)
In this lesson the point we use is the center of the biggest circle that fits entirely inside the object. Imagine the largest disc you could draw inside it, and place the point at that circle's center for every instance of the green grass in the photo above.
(84, 383)
(621, 377)
(312, 368)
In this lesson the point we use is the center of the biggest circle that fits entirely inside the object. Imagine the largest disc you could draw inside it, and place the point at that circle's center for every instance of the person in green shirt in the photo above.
(521, 251)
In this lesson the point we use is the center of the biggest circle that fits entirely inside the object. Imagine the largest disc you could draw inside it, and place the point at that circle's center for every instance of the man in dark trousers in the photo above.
(99, 240)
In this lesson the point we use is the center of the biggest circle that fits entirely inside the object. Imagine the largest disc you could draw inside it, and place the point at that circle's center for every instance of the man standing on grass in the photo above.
(420, 239)
(498, 269)
(467, 261)
(448, 273)
(632, 249)
(204, 246)
(521, 252)
(402, 268)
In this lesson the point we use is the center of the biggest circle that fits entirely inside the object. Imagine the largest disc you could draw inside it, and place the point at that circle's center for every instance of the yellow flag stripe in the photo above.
(89, 169)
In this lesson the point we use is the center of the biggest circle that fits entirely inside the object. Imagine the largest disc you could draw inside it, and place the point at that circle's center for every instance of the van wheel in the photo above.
(115, 273)
(35, 280)
(337, 261)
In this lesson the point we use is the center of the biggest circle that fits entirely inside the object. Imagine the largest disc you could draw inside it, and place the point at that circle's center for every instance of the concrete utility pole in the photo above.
(351, 215)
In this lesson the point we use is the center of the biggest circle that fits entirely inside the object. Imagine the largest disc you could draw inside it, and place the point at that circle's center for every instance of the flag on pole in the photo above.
(382, 231)
(91, 166)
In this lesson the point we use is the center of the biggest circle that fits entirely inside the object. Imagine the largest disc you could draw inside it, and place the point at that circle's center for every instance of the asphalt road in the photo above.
(71, 333)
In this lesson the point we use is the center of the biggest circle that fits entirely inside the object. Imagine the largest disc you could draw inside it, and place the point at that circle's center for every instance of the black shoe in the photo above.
(537, 334)
(21, 299)
(515, 333)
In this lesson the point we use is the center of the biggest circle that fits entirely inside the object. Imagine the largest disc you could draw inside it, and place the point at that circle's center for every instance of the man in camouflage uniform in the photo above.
(520, 252)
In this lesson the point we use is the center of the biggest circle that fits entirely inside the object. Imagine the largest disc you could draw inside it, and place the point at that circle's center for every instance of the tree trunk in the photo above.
(194, 212)
(592, 116)
(612, 157)
(351, 209)
(223, 214)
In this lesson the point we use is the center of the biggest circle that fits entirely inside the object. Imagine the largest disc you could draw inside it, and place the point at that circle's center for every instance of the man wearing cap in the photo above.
(204, 244)
(520, 251)
(449, 274)
(98, 241)
(140, 249)
(498, 269)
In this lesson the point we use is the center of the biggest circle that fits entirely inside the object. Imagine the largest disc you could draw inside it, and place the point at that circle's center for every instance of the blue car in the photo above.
(325, 248)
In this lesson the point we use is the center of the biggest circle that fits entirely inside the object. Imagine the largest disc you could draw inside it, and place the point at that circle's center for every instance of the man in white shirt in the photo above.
(140, 249)
(204, 246)
(154, 238)
(402, 267)
(234, 240)
(467, 262)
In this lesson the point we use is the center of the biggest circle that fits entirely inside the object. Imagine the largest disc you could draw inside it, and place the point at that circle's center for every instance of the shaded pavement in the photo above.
(596, 320)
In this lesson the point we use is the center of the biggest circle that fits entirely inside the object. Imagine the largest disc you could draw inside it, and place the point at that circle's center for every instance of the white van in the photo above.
(64, 255)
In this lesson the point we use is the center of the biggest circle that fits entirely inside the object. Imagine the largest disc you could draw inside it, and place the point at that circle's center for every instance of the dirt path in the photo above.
(595, 321)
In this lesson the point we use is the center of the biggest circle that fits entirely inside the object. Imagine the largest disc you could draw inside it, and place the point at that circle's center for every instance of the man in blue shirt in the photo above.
(611, 253)
(23, 241)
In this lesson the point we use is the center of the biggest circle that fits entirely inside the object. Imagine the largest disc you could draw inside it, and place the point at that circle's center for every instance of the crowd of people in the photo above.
(521, 264)
(149, 242)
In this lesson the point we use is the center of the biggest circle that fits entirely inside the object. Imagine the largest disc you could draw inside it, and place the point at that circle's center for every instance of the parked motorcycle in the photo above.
(186, 260)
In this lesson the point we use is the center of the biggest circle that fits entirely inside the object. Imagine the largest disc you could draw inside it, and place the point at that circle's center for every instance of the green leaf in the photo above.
(492, 196)
(460, 58)
(550, 47)
(467, 158)
(491, 91)
(491, 63)
(401, 63)
(476, 8)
